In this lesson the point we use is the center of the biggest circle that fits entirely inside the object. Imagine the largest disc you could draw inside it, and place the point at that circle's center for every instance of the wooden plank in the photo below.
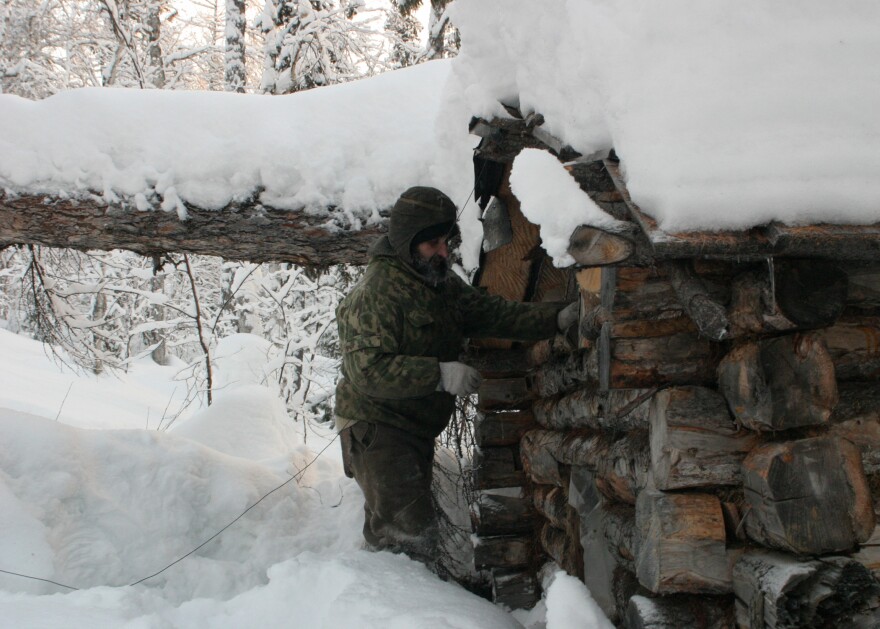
(506, 270)
(840, 242)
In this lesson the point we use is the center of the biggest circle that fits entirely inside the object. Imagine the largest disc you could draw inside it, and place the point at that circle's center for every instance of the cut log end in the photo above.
(594, 247)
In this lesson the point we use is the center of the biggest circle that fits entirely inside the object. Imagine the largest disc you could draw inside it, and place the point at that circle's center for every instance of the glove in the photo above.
(459, 379)
(568, 316)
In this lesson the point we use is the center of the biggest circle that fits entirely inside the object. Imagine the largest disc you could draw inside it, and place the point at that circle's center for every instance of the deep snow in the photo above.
(97, 501)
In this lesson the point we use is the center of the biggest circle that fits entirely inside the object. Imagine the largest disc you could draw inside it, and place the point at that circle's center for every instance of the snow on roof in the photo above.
(725, 115)
(354, 147)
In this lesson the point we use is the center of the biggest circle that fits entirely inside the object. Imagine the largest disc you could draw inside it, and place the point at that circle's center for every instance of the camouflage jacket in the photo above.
(394, 329)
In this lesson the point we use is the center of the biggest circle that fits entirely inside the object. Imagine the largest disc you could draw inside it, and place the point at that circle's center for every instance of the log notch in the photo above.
(563, 548)
(787, 382)
(774, 591)
(808, 496)
(618, 410)
(679, 612)
(787, 294)
(241, 231)
(681, 543)
(694, 440)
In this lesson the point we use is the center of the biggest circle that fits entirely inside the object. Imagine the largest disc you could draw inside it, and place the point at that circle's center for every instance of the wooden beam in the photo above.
(242, 231)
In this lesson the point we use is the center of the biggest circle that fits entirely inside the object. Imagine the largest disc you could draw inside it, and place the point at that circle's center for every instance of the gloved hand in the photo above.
(568, 316)
(459, 379)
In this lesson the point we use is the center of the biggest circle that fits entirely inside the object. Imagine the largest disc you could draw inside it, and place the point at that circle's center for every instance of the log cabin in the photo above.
(703, 450)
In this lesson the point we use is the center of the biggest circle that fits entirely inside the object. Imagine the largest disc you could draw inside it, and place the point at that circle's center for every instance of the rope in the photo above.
(207, 541)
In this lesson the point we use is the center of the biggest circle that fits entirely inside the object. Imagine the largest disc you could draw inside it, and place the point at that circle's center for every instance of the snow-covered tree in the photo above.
(443, 37)
(403, 32)
(235, 52)
(310, 43)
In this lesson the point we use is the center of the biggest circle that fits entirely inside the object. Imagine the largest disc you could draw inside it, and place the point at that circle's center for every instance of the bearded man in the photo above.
(401, 329)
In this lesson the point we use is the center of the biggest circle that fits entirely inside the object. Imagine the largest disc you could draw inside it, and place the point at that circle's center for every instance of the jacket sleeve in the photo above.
(487, 315)
(370, 335)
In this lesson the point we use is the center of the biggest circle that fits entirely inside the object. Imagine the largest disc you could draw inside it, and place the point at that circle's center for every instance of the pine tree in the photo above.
(310, 43)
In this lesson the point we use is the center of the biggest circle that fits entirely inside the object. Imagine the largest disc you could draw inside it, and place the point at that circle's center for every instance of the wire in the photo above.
(25, 576)
(207, 541)
(240, 516)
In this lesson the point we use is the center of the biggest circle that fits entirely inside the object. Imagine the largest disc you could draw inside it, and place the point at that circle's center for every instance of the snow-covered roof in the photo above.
(725, 116)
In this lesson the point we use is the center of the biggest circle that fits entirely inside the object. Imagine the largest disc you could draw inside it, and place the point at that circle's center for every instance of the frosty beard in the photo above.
(434, 269)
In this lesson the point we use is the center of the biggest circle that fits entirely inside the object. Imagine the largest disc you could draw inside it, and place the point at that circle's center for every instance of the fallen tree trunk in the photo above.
(244, 231)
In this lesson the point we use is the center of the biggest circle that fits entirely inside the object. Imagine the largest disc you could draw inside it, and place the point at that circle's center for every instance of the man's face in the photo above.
(430, 259)
(435, 247)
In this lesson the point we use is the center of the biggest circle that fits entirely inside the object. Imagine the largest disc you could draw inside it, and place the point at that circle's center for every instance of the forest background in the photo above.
(106, 310)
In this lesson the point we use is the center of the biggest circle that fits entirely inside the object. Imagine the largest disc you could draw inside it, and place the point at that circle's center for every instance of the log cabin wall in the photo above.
(706, 451)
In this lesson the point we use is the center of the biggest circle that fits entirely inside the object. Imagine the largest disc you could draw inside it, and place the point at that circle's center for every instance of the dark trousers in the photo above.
(393, 468)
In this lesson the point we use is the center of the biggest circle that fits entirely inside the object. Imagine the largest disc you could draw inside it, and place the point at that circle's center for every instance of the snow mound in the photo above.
(248, 421)
(110, 507)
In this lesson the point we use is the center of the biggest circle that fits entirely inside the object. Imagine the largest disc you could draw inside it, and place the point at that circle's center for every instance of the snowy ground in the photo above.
(94, 497)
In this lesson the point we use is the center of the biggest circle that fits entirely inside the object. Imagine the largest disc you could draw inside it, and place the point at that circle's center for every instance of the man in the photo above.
(401, 329)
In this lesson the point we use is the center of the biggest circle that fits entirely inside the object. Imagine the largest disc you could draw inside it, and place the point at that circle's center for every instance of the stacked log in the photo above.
(707, 452)
(715, 430)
